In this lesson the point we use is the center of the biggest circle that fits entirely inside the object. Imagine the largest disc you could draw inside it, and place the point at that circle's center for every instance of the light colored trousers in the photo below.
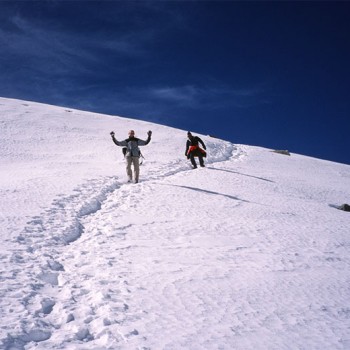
(135, 162)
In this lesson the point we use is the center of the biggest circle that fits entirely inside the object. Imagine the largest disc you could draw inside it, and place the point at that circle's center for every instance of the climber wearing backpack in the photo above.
(132, 154)
(193, 150)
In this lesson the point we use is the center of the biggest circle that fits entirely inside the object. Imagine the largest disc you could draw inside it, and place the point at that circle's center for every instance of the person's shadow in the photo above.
(208, 192)
(236, 172)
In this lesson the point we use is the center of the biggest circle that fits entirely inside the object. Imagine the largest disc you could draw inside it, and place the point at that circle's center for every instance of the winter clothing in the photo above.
(132, 144)
(193, 150)
(132, 154)
(136, 162)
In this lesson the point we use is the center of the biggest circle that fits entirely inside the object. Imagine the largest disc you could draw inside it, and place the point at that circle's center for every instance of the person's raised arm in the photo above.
(114, 139)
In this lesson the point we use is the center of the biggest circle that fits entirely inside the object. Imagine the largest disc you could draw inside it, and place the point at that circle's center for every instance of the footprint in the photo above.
(47, 306)
(36, 335)
(49, 277)
(84, 335)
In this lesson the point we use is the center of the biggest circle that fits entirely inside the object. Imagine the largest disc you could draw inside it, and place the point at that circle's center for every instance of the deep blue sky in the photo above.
(272, 74)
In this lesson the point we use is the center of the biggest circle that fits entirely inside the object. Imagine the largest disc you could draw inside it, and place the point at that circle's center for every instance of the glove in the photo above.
(149, 133)
(112, 133)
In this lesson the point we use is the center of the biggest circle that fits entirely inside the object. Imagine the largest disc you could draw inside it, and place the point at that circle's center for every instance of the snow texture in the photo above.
(249, 252)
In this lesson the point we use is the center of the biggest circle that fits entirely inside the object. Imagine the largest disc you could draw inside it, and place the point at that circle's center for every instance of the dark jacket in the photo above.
(193, 149)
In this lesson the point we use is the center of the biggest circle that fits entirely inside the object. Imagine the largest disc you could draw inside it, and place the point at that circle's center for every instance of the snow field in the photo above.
(247, 253)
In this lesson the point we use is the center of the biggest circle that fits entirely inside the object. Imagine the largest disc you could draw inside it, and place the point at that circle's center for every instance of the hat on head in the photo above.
(189, 133)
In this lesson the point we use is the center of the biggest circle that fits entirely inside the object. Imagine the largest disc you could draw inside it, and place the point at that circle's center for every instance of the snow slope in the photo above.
(247, 253)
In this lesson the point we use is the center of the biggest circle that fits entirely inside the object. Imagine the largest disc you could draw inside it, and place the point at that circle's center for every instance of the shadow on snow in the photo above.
(236, 172)
(208, 192)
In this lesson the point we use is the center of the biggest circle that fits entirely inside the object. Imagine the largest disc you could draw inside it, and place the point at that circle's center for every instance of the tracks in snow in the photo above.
(36, 257)
(60, 288)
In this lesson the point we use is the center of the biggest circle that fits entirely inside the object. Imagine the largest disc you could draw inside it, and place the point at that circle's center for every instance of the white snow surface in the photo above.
(249, 252)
